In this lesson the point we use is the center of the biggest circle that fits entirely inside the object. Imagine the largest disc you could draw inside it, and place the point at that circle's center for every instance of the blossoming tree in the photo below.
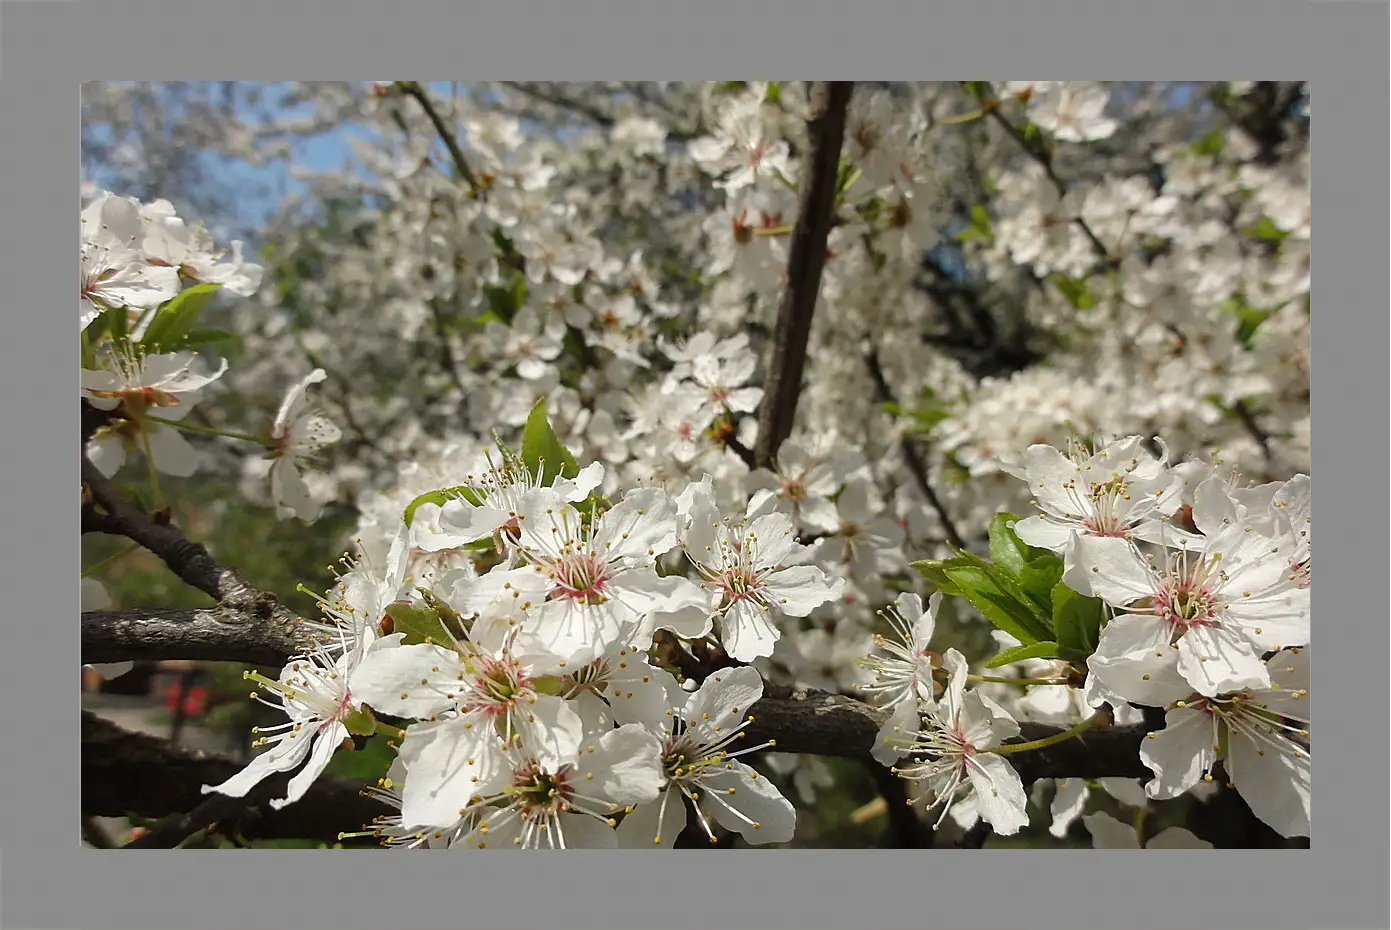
(696, 435)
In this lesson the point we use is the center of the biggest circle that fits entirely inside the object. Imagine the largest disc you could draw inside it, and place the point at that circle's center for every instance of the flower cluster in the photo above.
(1197, 594)
(140, 358)
(543, 716)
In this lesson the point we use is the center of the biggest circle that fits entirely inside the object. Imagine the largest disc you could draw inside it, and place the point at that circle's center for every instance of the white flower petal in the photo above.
(745, 802)
(999, 793)
(1180, 754)
(1109, 833)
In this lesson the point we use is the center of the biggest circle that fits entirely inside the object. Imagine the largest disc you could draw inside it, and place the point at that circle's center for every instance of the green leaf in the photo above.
(1012, 586)
(420, 624)
(440, 497)
(1044, 650)
(228, 345)
(366, 764)
(453, 621)
(1074, 291)
(542, 451)
(1249, 319)
(1210, 144)
(1077, 619)
(934, 573)
(1006, 549)
(1000, 607)
(1039, 577)
(110, 323)
(1266, 231)
(175, 319)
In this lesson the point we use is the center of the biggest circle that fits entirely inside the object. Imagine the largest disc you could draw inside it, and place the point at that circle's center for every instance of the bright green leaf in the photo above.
(228, 345)
(1006, 549)
(441, 497)
(419, 624)
(542, 451)
(998, 606)
(1077, 619)
(1210, 144)
(1266, 231)
(1044, 650)
(1038, 578)
(175, 319)
(933, 573)
(1074, 291)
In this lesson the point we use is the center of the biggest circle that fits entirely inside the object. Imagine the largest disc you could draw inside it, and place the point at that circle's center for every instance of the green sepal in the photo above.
(360, 722)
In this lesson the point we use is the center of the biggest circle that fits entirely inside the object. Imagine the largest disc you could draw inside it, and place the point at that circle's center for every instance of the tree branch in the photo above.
(126, 773)
(914, 461)
(417, 90)
(808, 722)
(221, 633)
(820, 723)
(189, 560)
(806, 258)
(1046, 163)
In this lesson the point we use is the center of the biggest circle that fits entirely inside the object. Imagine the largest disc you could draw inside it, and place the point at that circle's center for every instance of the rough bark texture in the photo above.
(806, 258)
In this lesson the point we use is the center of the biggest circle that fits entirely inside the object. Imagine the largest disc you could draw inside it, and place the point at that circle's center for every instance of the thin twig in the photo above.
(417, 90)
(1047, 164)
(914, 461)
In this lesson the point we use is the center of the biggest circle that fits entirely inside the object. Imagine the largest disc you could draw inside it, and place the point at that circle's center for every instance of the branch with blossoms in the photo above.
(602, 627)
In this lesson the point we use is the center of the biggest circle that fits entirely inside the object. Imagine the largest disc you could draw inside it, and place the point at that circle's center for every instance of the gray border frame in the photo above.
(48, 883)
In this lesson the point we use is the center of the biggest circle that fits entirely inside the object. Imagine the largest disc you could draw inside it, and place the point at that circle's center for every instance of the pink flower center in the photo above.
(497, 685)
(1185, 603)
(794, 490)
(581, 577)
(740, 582)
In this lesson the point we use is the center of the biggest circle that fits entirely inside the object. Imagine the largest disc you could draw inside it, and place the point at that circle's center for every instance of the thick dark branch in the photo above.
(808, 722)
(825, 724)
(211, 634)
(126, 773)
(732, 443)
(806, 258)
